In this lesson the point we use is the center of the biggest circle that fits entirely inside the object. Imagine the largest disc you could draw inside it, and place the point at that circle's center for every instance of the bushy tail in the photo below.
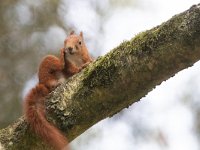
(35, 115)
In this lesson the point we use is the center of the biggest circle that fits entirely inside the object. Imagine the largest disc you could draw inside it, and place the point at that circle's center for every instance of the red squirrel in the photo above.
(52, 72)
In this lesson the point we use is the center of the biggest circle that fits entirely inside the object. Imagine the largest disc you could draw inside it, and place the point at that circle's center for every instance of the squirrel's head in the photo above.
(74, 44)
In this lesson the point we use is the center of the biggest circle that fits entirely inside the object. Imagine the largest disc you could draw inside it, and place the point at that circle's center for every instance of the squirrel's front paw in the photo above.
(85, 65)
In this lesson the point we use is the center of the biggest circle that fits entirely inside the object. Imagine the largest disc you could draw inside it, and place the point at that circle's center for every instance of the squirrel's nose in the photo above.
(70, 49)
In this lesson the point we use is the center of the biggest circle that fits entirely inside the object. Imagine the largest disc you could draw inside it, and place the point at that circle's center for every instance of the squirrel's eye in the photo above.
(79, 42)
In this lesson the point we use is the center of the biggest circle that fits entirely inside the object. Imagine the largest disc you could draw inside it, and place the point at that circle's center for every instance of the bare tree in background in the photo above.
(21, 49)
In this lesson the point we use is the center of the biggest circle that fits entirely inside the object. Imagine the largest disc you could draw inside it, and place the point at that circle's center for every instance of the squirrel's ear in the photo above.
(72, 32)
(65, 41)
(81, 34)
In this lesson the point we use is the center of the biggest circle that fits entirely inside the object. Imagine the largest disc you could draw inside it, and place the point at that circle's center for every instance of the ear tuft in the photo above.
(72, 32)
(65, 41)
(81, 34)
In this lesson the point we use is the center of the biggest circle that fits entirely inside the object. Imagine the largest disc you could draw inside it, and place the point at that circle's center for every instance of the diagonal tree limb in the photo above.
(117, 80)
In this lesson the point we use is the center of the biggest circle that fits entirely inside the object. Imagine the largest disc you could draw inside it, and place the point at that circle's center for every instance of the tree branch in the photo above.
(117, 80)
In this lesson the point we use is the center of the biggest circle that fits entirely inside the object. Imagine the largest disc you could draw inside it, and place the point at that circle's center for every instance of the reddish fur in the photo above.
(69, 68)
(51, 70)
(35, 115)
(83, 53)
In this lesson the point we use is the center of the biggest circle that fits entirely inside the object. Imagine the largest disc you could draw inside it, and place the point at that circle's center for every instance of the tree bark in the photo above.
(115, 81)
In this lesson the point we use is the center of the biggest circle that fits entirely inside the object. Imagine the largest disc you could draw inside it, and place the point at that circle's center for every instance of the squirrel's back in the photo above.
(50, 71)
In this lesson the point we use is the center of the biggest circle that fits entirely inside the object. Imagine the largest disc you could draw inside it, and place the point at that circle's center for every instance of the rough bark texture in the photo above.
(117, 80)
